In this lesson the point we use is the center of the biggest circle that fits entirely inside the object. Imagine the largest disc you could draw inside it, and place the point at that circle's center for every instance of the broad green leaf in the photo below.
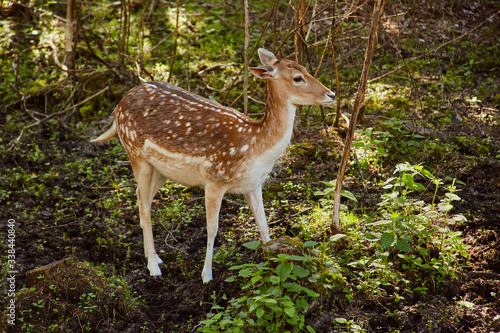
(302, 304)
(372, 237)
(358, 144)
(252, 245)
(310, 244)
(341, 320)
(290, 312)
(260, 312)
(427, 173)
(299, 258)
(444, 207)
(275, 291)
(419, 186)
(348, 195)
(245, 272)
(310, 329)
(292, 286)
(377, 265)
(380, 222)
(459, 218)
(300, 272)
(399, 201)
(274, 279)
(254, 306)
(382, 151)
(403, 245)
(314, 278)
(337, 237)
(330, 183)
(230, 279)
(408, 180)
(255, 279)
(431, 214)
(387, 239)
(319, 193)
(310, 293)
(283, 270)
(241, 266)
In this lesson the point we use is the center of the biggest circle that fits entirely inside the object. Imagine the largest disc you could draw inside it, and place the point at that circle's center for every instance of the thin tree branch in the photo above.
(39, 121)
(175, 40)
(437, 48)
(378, 10)
(275, 5)
(245, 67)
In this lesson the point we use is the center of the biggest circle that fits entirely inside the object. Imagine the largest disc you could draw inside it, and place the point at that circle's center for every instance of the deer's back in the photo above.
(188, 138)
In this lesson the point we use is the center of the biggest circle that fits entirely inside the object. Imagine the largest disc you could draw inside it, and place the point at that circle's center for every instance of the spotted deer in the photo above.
(171, 133)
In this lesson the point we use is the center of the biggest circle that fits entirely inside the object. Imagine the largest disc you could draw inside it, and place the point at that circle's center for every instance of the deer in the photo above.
(170, 133)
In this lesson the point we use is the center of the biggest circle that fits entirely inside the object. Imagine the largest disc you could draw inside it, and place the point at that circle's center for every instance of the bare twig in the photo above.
(245, 51)
(275, 5)
(330, 40)
(122, 42)
(39, 121)
(378, 10)
(437, 48)
(80, 103)
(337, 83)
(176, 36)
(214, 67)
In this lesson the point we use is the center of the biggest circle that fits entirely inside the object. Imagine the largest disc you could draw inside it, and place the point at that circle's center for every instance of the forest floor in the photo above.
(69, 198)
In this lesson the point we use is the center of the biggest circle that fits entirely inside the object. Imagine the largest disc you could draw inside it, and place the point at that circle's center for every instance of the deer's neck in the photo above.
(276, 125)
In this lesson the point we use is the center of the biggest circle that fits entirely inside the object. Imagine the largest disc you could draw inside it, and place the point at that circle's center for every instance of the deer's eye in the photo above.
(299, 78)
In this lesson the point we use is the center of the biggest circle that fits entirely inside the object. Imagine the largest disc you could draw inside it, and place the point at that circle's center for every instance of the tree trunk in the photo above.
(122, 43)
(70, 41)
(300, 43)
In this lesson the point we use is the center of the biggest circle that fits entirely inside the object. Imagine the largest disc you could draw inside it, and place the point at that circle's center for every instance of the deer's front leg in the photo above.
(213, 199)
(254, 200)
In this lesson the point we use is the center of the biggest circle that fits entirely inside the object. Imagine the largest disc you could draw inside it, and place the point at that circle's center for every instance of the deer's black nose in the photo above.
(332, 95)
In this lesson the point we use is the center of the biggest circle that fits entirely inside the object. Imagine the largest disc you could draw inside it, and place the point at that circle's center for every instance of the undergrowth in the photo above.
(407, 246)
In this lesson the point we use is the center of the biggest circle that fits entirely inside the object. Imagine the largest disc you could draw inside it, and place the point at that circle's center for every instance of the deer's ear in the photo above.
(263, 72)
(267, 58)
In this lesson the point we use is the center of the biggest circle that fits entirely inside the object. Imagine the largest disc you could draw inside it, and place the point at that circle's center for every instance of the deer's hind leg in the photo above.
(149, 181)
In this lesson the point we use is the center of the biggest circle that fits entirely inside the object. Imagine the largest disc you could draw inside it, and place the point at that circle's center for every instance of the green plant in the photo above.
(420, 232)
(328, 193)
(399, 138)
(274, 297)
(351, 327)
(86, 302)
(369, 148)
